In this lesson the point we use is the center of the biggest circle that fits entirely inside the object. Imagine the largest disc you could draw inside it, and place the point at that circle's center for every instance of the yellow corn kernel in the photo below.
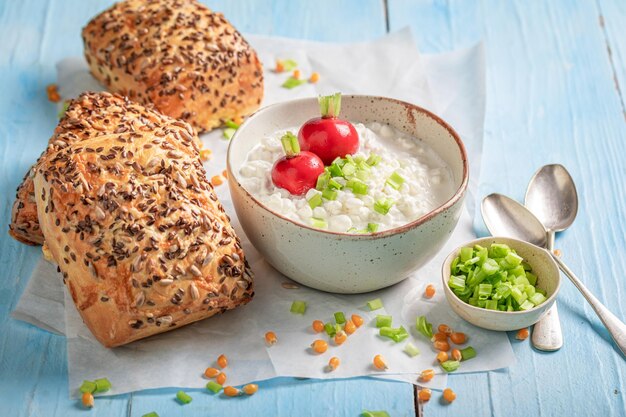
(333, 363)
(222, 361)
(445, 329)
(296, 74)
(315, 77)
(211, 372)
(458, 338)
(341, 337)
(424, 395)
(220, 378)
(430, 291)
(379, 362)
(318, 326)
(456, 354)
(205, 154)
(349, 327)
(250, 389)
(427, 375)
(231, 391)
(522, 334)
(87, 399)
(319, 346)
(217, 180)
(449, 395)
(357, 320)
(270, 338)
(442, 356)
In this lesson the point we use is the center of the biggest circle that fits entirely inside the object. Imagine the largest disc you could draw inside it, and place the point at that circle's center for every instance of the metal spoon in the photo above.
(551, 196)
(506, 217)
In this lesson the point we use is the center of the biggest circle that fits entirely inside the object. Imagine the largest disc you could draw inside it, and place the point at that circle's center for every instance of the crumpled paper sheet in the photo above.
(452, 85)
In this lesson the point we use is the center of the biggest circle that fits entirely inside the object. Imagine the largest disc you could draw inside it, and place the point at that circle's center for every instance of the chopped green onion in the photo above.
(231, 124)
(214, 387)
(372, 227)
(183, 397)
(457, 282)
(424, 327)
(323, 180)
(338, 328)
(411, 350)
(228, 133)
(383, 205)
(330, 106)
(330, 329)
(290, 144)
(335, 169)
(340, 318)
(526, 305)
(537, 298)
(383, 321)
(468, 353)
(292, 82)
(315, 201)
(395, 180)
(319, 223)
(450, 366)
(289, 65)
(375, 304)
(88, 386)
(400, 334)
(329, 194)
(298, 307)
(151, 414)
(366, 413)
(357, 186)
(102, 385)
(374, 160)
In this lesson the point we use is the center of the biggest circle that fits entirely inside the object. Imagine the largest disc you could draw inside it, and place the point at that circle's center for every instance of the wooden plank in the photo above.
(611, 20)
(551, 98)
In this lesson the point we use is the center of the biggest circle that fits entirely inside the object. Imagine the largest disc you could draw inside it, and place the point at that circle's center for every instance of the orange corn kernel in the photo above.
(217, 180)
(296, 74)
(87, 399)
(522, 334)
(379, 362)
(357, 320)
(429, 292)
(557, 252)
(458, 338)
(319, 346)
(222, 361)
(53, 93)
(349, 327)
(427, 375)
(220, 378)
(442, 337)
(449, 395)
(442, 356)
(445, 329)
(456, 354)
(211, 372)
(315, 77)
(250, 389)
(442, 346)
(333, 363)
(225, 174)
(205, 154)
(424, 395)
(341, 337)
(270, 338)
(279, 66)
(318, 326)
(231, 391)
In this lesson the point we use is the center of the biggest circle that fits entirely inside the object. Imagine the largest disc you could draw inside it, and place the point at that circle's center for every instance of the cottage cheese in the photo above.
(428, 182)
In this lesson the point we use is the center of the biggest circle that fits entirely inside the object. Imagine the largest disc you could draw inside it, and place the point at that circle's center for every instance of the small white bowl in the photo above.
(548, 279)
(343, 262)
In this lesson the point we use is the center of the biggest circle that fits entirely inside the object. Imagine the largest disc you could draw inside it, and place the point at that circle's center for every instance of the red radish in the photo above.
(297, 171)
(328, 136)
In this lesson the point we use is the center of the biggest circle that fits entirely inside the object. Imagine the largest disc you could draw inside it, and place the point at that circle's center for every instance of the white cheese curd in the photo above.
(427, 183)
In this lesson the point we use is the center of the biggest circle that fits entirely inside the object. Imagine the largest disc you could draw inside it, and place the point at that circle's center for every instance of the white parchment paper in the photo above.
(452, 85)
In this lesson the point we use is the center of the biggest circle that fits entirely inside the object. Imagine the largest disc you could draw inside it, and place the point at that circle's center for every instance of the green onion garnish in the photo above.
(374, 160)
(289, 65)
(367, 413)
(315, 201)
(290, 144)
(468, 353)
(151, 414)
(214, 387)
(329, 328)
(183, 397)
(329, 194)
(424, 327)
(231, 124)
(102, 385)
(375, 304)
(228, 133)
(372, 227)
(88, 386)
(330, 106)
(383, 205)
(400, 335)
(395, 180)
(292, 82)
(411, 350)
(319, 223)
(322, 180)
(450, 366)
(332, 183)
(357, 186)
(298, 307)
(383, 321)
(340, 318)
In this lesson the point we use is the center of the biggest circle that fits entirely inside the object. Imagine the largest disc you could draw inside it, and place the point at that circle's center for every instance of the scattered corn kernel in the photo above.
(442, 337)
(333, 363)
(379, 362)
(225, 174)
(220, 378)
(442, 346)
(557, 252)
(211, 372)
(250, 389)
(349, 327)
(270, 338)
(458, 338)
(315, 77)
(424, 395)
(445, 329)
(279, 66)
(318, 326)
(87, 399)
(357, 320)
(456, 355)
(426, 375)
(442, 356)
(231, 391)
(522, 334)
(319, 346)
(217, 180)
(449, 395)
(53, 93)
(296, 74)
(429, 292)
(222, 361)
(341, 337)
(205, 154)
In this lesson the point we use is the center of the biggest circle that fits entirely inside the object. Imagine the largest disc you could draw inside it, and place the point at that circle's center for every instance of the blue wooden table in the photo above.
(555, 93)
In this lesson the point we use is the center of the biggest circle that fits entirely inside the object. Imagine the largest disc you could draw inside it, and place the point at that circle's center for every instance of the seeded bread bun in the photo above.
(138, 233)
(178, 54)
(89, 115)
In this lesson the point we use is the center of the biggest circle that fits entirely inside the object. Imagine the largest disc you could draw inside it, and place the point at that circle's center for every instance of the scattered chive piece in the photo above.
(298, 307)
(340, 318)
(383, 321)
(290, 144)
(228, 133)
(214, 387)
(329, 328)
(411, 350)
(424, 327)
(400, 335)
(319, 223)
(151, 414)
(367, 413)
(329, 194)
(88, 386)
(102, 385)
(375, 304)
(468, 353)
(395, 180)
(183, 397)
(372, 227)
(289, 64)
(315, 201)
(292, 82)
(383, 205)
(229, 123)
(450, 366)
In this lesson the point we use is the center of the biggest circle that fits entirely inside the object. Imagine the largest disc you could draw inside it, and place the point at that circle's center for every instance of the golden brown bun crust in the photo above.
(89, 115)
(138, 233)
(178, 54)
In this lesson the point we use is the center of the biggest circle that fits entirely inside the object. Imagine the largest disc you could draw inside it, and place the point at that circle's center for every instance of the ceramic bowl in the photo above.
(548, 279)
(342, 262)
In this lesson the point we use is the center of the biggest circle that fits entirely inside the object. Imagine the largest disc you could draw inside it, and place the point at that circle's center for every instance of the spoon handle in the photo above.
(616, 328)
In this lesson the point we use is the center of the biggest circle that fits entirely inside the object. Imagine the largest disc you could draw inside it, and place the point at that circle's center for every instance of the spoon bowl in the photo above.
(506, 217)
